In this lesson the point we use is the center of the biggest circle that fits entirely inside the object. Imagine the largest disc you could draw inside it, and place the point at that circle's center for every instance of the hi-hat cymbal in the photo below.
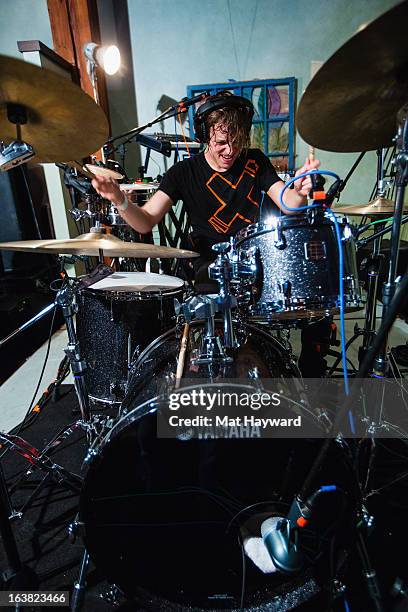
(352, 102)
(102, 171)
(63, 122)
(92, 243)
(374, 208)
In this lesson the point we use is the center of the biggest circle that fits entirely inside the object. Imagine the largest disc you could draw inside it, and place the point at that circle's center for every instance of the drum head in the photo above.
(138, 281)
(168, 517)
(165, 519)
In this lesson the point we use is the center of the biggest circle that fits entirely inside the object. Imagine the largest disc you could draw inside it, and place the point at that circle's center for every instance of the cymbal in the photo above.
(102, 171)
(90, 244)
(63, 122)
(352, 101)
(138, 186)
(374, 208)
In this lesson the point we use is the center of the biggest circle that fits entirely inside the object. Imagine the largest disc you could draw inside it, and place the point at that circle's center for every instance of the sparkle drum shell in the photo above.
(295, 269)
(117, 318)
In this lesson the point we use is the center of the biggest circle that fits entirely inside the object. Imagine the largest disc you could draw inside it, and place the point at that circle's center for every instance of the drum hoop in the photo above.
(294, 221)
(152, 404)
(250, 326)
(130, 296)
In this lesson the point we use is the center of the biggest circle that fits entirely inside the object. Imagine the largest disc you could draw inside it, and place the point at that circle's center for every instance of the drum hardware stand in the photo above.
(205, 307)
(374, 266)
(368, 331)
(221, 270)
(66, 299)
(42, 461)
(381, 365)
(375, 259)
(16, 576)
(365, 369)
(27, 324)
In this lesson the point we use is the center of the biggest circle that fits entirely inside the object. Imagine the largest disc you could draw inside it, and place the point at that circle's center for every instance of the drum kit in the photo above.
(139, 336)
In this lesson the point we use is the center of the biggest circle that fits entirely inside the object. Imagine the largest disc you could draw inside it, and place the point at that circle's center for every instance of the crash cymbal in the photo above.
(102, 171)
(90, 244)
(63, 122)
(374, 208)
(352, 102)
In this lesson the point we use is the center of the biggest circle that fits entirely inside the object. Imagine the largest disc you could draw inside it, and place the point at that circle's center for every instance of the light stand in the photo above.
(108, 58)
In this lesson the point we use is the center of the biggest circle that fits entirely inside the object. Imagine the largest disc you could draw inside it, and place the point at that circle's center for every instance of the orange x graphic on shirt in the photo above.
(224, 216)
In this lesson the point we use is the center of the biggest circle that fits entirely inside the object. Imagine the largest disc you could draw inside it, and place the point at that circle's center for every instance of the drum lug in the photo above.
(280, 241)
(338, 589)
(75, 529)
(90, 455)
(113, 595)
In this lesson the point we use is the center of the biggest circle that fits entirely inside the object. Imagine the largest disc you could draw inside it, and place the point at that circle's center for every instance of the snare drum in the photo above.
(137, 193)
(117, 318)
(288, 268)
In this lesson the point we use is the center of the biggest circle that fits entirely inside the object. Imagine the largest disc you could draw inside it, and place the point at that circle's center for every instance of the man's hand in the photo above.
(304, 185)
(108, 188)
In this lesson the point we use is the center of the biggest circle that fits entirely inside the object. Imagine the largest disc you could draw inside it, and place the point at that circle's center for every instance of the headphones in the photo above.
(214, 103)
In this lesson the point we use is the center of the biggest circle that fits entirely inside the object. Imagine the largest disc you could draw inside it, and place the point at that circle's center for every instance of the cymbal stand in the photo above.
(374, 266)
(375, 259)
(381, 365)
(66, 299)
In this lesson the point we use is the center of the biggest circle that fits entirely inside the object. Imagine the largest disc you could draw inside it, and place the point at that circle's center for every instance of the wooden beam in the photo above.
(61, 30)
(73, 24)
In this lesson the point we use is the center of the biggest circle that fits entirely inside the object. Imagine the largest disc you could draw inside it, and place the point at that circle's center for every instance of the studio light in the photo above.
(107, 57)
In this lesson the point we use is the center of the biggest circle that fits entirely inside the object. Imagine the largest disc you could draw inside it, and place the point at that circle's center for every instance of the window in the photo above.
(273, 123)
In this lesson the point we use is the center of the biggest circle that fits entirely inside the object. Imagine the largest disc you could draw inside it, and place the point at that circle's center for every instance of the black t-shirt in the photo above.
(219, 204)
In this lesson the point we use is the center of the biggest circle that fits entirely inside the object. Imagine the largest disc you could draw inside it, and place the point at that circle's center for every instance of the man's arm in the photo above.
(141, 218)
(296, 197)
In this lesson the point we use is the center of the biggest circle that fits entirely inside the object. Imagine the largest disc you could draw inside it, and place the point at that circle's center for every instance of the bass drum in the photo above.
(165, 519)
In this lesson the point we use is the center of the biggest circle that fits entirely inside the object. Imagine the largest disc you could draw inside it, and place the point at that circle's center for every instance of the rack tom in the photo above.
(288, 268)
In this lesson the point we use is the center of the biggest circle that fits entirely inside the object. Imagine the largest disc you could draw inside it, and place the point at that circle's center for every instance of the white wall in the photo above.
(177, 43)
(23, 20)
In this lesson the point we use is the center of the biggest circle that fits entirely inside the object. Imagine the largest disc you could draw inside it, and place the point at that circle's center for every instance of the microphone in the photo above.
(317, 191)
(333, 191)
(186, 102)
(83, 185)
(282, 536)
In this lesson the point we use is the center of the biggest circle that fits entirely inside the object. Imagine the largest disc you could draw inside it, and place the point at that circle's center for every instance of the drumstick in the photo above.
(81, 169)
(182, 355)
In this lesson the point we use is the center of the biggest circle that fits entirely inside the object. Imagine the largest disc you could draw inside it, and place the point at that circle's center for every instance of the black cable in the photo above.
(243, 583)
(20, 426)
(43, 401)
(37, 227)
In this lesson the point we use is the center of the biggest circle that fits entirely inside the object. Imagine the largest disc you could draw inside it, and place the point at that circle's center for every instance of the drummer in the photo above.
(224, 189)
